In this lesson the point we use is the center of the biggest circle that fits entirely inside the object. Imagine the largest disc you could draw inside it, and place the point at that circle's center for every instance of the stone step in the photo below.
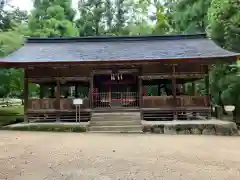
(114, 119)
(116, 114)
(116, 128)
(115, 123)
(137, 132)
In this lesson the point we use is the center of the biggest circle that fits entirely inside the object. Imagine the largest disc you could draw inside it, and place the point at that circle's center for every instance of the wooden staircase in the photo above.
(116, 122)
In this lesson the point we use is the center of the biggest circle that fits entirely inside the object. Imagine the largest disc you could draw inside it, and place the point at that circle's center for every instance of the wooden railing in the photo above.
(168, 101)
(65, 104)
(115, 99)
(68, 104)
(41, 103)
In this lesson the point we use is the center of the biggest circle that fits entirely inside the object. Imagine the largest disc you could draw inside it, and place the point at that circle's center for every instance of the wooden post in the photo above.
(91, 92)
(207, 87)
(41, 91)
(193, 89)
(140, 88)
(25, 95)
(140, 91)
(174, 86)
(58, 94)
(76, 90)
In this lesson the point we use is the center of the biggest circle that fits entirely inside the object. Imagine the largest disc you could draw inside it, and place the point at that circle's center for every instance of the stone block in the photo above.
(209, 132)
(196, 131)
(158, 130)
(186, 131)
(169, 130)
(146, 129)
(229, 129)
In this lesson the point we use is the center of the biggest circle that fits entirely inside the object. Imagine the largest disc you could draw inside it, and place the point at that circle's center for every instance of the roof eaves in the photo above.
(112, 38)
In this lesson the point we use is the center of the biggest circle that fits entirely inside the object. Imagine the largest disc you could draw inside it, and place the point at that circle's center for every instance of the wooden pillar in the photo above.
(41, 91)
(174, 86)
(91, 105)
(76, 90)
(159, 90)
(140, 90)
(207, 87)
(58, 94)
(25, 95)
(193, 93)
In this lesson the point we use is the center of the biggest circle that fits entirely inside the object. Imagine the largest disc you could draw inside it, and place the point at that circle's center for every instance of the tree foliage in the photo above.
(224, 23)
(52, 19)
(188, 16)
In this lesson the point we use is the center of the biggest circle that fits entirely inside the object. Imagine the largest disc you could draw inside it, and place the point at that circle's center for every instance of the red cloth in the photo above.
(144, 91)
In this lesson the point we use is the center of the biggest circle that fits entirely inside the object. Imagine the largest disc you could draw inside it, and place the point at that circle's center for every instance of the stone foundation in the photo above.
(204, 127)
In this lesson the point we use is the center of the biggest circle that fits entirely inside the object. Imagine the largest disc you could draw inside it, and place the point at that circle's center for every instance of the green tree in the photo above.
(162, 24)
(90, 22)
(224, 23)
(188, 16)
(52, 19)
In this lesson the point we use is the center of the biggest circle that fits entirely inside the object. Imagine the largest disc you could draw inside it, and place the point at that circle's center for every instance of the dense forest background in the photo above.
(220, 19)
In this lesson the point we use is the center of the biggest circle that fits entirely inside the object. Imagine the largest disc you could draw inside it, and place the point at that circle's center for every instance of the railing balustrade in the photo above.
(115, 99)
(121, 99)
(65, 104)
(168, 101)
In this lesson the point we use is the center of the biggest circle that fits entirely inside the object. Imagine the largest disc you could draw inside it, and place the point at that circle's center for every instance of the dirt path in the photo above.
(67, 156)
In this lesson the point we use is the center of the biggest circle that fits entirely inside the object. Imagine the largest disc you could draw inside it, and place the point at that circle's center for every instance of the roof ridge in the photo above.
(113, 38)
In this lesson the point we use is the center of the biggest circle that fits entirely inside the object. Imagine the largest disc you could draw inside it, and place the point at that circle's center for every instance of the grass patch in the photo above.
(11, 115)
(11, 111)
(48, 127)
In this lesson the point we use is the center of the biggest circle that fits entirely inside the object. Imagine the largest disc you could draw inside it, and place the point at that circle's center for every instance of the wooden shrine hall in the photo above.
(142, 74)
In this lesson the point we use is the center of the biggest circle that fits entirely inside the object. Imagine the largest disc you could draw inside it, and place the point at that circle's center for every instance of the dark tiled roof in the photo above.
(117, 49)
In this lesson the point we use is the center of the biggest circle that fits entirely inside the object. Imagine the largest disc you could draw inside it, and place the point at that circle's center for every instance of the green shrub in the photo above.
(11, 115)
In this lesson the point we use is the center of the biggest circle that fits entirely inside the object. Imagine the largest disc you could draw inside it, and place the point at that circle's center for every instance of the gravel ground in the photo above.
(67, 156)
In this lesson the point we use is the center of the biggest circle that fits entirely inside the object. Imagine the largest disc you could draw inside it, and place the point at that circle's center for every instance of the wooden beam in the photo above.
(170, 76)
(25, 95)
(108, 70)
(51, 79)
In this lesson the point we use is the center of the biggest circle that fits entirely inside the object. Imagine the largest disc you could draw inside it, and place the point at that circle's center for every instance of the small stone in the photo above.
(114, 150)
